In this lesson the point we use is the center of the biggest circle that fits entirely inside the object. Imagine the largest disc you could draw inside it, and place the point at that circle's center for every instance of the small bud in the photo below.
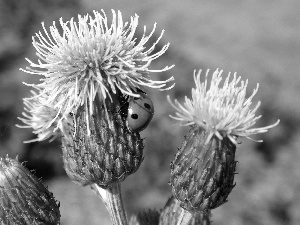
(103, 151)
(23, 198)
(172, 212)
(202, 174)
(146, 217)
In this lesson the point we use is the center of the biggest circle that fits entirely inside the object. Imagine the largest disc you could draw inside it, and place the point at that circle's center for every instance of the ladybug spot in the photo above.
(135, 116)
(147, 106)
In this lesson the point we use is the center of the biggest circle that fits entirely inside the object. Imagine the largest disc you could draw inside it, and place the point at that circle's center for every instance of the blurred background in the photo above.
(260, 40)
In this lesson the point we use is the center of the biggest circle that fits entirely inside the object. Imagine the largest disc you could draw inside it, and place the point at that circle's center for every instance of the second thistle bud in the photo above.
(23, 198)
(202, 174)
(103, 151)
(203, 171)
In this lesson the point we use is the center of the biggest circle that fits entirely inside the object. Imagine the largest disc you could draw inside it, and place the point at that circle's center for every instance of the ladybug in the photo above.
(140, 111)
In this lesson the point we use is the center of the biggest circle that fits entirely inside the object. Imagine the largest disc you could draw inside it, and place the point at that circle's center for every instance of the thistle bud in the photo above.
(103, 151)
(202, 175)
(23, 198)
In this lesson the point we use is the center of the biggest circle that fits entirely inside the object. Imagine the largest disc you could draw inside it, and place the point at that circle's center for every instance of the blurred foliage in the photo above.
(258, 39)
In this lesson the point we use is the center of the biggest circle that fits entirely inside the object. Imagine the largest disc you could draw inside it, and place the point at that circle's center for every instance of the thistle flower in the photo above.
(202, 174)
(86, 72)
(23, 198)
(43, 118)
(89, 58)
(221, 111)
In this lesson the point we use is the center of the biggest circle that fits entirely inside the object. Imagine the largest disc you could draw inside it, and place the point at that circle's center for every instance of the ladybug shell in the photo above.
(140, 112)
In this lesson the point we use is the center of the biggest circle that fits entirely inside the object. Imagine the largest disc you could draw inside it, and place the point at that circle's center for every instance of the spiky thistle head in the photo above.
(220, 111)
(23, 198)
(202, 173)
(86, 59)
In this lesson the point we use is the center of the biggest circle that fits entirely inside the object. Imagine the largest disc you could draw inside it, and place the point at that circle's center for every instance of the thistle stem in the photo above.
(185, 217)
(112, 200)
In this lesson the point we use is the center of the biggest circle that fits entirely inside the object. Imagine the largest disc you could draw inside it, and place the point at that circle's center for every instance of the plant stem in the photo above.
(185, 217)
(112, 200)
(205, 218)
